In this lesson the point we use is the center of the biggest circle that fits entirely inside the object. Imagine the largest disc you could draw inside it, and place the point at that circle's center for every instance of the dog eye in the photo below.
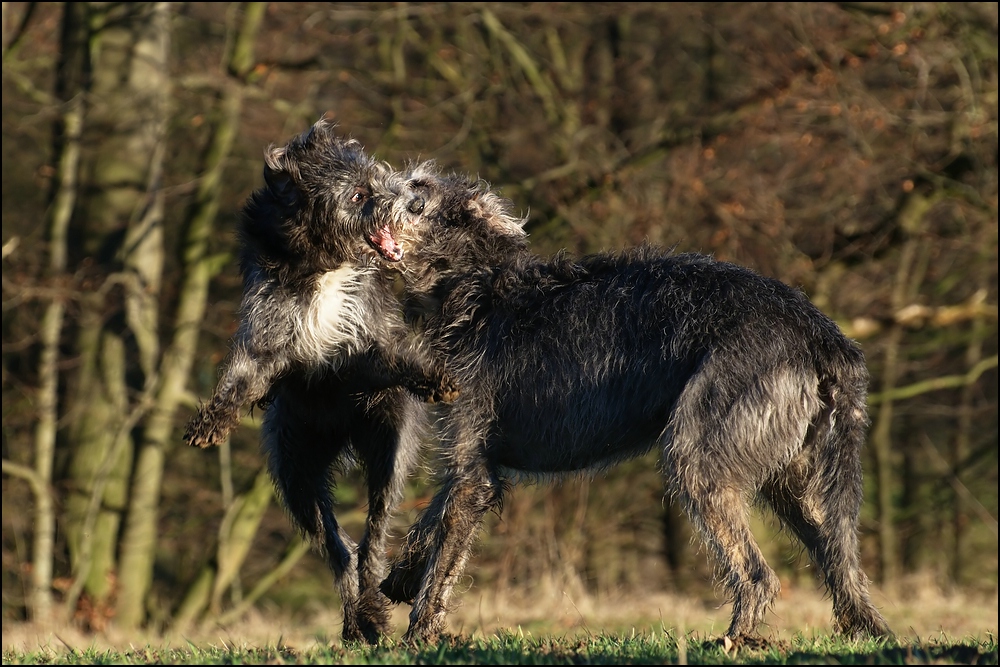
(359, 197)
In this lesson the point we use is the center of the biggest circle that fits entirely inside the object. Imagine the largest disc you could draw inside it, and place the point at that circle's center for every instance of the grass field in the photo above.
(515, 649)
(552, 629)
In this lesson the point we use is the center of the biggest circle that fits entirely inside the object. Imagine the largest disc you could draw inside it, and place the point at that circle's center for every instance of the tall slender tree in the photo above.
(119, 223)
(138, 546)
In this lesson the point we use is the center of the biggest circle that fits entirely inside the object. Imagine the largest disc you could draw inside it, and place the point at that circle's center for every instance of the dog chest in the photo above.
(335, 318)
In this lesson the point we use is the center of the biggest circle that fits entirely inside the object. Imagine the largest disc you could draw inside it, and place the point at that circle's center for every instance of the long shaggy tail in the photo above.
(843, 431)
(841, 435)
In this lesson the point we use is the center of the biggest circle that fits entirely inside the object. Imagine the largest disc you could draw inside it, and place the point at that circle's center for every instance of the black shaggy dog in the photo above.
(322, 346)
(748, 391)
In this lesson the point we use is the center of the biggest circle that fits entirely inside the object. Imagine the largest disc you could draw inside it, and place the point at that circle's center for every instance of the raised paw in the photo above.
(440, 390)
(445, 392)
(203, 431)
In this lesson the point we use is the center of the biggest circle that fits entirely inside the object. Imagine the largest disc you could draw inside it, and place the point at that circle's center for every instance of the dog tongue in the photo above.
(387, 245)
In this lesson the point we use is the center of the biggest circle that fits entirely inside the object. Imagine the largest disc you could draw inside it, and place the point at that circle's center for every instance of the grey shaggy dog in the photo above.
(748, 391)
(323, 348)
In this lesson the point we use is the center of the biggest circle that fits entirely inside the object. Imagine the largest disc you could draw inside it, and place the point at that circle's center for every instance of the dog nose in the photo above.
(416, 205)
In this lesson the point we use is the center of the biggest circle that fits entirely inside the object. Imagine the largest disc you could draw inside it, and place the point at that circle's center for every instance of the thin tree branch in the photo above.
(935, 384)
(295, 552)
(28, 474)
(960, 488)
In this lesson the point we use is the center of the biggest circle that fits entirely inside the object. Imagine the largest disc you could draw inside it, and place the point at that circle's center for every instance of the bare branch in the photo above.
(935, 384)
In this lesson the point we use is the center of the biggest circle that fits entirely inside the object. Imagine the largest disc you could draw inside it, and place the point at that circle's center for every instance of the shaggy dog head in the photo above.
(325, 202)
(452, 224)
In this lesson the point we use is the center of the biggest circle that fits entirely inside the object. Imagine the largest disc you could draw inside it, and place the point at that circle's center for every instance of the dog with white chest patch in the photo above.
(323, 348)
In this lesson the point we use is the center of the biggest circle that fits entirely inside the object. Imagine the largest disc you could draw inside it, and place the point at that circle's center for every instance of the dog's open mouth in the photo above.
(386, 244)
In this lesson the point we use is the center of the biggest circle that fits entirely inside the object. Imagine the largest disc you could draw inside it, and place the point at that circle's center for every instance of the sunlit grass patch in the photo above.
(514, 647)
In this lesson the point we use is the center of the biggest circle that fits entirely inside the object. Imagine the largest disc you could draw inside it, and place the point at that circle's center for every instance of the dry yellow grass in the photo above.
(922, 612)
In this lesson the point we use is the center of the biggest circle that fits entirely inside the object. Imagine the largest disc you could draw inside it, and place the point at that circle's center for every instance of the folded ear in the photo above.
(496, 212)
(280, 176)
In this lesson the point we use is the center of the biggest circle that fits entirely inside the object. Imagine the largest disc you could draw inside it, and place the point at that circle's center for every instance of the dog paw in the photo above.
(351, 633)
(445, 392)
(440, 390)
(399, 587)
(742, 642)
(374, 625)
(202, 433)
(423, 635)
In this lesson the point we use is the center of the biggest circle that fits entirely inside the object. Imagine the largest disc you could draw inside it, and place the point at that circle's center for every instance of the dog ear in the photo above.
(324, 126)
(279, 176)
(496, 212)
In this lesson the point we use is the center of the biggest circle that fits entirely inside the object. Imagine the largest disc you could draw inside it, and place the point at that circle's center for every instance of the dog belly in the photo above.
(593, 429)
(568, 452)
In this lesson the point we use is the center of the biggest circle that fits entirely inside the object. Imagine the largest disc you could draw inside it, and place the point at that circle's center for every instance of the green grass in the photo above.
(508, 648)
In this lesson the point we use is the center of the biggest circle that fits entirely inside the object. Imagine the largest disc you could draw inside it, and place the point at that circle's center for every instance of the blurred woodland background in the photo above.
(846, 148)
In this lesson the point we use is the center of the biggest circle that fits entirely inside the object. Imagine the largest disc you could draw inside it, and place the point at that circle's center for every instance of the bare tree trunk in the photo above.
(882, 447)
(911, 523)
(60, 214)
(909, 276)
(960, 448)
(47, 400)
(129, 93)
(139, 537)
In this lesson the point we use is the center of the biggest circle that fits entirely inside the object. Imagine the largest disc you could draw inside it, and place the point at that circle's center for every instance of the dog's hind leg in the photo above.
(718, 447)
(300, 460)
(818, 497)
(388, 442)
(721, 516)
(407, 570)
(456, 513)
(831, 541)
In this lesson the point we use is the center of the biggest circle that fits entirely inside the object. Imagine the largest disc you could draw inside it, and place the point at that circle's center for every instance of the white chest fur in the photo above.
(334, 321)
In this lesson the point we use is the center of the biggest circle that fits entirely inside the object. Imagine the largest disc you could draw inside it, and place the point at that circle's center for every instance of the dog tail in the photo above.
(841, 434)
(843, 425)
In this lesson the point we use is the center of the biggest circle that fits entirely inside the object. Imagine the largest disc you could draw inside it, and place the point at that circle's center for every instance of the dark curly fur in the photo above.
(747, 389)
(322, 346)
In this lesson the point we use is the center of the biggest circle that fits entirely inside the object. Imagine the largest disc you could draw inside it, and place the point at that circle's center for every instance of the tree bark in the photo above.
(68, 130)
(959, 450)
(129, 91)
(138, 546)
(47, 400)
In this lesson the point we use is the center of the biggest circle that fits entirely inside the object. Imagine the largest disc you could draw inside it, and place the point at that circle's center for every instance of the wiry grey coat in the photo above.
(322, 346)
(745, 387)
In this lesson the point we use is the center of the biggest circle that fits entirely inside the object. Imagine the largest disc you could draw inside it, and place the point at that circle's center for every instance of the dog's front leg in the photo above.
(245, 381)
(457, 510)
